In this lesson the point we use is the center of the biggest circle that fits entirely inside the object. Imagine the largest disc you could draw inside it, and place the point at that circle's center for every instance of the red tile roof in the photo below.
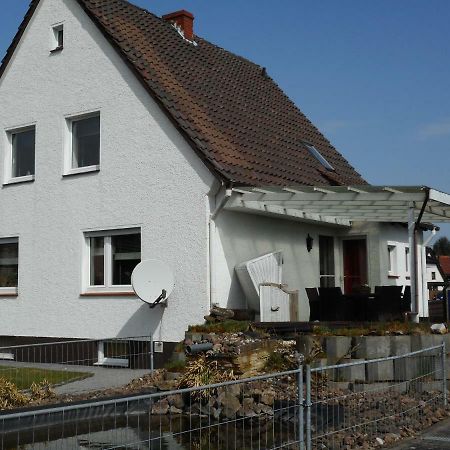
(444, 261)
(231, 112)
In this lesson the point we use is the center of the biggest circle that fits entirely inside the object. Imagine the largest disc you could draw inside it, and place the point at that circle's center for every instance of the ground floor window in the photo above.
(112, 256)
(9, 265)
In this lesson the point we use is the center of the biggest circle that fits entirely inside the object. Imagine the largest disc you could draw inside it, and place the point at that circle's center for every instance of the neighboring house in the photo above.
(437, 280)
(444, 262)
(126, 138)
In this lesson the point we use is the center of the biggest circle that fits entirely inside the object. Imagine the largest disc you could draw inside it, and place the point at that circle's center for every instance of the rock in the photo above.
(267, 397)
(379, 441)
(215, 412)
(230, 404)
(161, 407)
(176, 400)
(439, 328)
(174, 410)
(390, 438)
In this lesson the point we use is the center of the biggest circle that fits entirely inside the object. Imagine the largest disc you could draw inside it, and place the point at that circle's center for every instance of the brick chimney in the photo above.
(184, 20)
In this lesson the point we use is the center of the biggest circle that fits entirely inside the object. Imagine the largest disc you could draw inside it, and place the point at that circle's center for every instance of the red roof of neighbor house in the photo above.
(444, 261)
(231, 112)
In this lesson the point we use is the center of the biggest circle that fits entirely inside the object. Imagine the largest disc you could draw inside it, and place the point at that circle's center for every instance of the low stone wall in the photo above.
(331, 350)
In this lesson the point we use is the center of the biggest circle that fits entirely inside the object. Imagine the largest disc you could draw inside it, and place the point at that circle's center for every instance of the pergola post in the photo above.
(412, 264)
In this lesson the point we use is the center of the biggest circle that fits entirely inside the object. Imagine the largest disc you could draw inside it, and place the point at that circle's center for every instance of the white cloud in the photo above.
(435, 129)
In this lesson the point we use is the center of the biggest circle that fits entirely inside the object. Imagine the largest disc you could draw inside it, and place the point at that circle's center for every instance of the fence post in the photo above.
(152, 365)
(301, 405)
(308, 408)
(444, 373)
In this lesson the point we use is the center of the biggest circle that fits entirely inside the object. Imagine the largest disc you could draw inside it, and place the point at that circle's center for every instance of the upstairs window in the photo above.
(83, 152)
(314, 152)
(20, 161)
(9, 266)
(57, 38)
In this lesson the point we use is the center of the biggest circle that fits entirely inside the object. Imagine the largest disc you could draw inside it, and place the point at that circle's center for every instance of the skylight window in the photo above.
(313, 150)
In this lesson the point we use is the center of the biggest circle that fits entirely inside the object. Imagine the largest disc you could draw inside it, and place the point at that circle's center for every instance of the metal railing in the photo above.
(360, 401)
(77, 365)
(336, 406)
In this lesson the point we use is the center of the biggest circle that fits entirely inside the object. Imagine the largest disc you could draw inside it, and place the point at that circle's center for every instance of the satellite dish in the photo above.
(152, 281)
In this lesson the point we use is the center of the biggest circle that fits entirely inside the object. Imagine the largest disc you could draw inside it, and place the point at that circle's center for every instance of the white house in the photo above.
(125, 136)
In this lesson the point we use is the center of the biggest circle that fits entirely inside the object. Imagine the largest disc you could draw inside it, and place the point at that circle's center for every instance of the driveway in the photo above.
(436, 438)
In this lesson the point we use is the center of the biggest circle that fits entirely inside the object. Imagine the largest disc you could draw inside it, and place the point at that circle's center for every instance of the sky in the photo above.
(373, 76)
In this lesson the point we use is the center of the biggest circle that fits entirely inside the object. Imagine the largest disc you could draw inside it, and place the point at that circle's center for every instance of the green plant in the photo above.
(175, 366)
(227, 326)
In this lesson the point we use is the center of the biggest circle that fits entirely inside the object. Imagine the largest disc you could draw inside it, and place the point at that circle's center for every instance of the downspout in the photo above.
(212, 244)
(415, 274)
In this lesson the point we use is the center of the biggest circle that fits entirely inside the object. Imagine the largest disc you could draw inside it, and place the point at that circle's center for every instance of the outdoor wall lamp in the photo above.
(309, 243)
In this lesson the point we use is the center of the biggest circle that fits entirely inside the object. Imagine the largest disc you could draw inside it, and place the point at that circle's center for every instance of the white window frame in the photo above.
(8, 177)
(69, 120)
(392, 258)
(11, 290)
(55, 28)
(107, 287)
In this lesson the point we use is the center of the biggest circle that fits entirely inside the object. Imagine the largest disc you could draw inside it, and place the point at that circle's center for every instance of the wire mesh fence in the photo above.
(68, 363)
(333, 407)
(263, 412)
(356, 402)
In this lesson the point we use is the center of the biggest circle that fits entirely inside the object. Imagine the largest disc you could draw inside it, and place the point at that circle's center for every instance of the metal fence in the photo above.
(349, 404)
(77, 365)
(333, 407)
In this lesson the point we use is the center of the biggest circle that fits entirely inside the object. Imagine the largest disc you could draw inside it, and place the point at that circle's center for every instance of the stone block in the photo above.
(428, 386)
(446, 339)
(338, 385)
(320, 362)
(373, 347)
(337, 348)
(405, 369)
(370, 387)
(352, 373)
(307, 343)
(380, 371)
(422, 342)
(400, 345)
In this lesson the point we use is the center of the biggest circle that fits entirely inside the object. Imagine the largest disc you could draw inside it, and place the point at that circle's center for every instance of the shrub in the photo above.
(200, 372)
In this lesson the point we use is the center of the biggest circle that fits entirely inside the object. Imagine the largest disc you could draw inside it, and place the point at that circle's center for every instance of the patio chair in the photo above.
(333, 304)
(406, 300)
(314, 303)
(388, 302)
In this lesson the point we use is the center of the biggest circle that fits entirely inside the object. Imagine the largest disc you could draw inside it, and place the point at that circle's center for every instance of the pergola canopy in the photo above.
(341, 205)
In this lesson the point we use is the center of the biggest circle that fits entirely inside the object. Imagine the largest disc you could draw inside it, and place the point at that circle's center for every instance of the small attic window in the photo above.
(313, 150)
(58, 38)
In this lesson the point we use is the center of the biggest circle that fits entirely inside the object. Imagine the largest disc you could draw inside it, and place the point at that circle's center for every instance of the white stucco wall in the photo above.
(243, 236)
(149, 178)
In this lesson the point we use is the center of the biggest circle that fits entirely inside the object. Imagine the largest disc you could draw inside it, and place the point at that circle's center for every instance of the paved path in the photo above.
(102, 377)
(436, 438)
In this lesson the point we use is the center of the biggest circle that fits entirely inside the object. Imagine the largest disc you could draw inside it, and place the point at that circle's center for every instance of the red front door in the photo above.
(355, 264)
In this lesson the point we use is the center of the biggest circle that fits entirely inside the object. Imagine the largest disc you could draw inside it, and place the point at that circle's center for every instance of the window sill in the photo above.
(392, 276)
(108, 294)
(80, 170)
(7, 293)
(24, 179)
(56, 50)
